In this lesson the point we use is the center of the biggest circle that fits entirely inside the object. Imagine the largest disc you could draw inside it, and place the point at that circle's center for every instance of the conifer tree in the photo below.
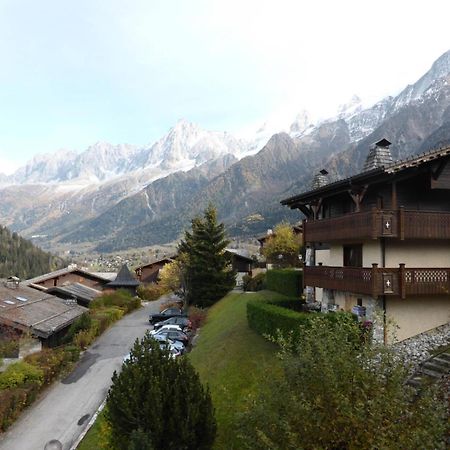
(157, 402)
(209, 275)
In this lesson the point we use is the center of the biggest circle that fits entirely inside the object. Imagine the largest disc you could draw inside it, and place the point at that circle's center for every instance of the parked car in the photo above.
(182, 321)
(163, 339)
(166, 327)
(175, 335)
(165, 314)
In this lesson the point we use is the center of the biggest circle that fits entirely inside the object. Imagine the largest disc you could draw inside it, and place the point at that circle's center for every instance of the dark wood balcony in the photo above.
(401, 224)
(376, 281)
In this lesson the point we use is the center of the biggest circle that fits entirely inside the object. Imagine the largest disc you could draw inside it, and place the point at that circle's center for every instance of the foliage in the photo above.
(337, 394)
(150, 292)
(209, 275)
(13, 400)
(19, 373)
(120, 298)
(285, 281)
(282, 247)
(197, 316)
(105, 317)
(161, 397)
(83, 322)
(23, 259)
(272, 317)
(256, 283)
(233, 360)
(9, 348)
(173, 275)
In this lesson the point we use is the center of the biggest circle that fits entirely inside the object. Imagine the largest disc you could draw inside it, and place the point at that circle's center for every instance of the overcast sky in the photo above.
(77, 72)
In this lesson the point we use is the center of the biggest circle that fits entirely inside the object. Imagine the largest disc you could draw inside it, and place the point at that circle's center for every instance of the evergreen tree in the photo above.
(209, 275)
(157, 402)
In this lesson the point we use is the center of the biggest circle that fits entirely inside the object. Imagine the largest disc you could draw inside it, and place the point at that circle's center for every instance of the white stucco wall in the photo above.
(371, 253)
(415, 315)
(418, 253)
(336, 257)
(322, 256)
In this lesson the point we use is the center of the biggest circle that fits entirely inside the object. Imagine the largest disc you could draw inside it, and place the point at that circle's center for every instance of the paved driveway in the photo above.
(65, 409)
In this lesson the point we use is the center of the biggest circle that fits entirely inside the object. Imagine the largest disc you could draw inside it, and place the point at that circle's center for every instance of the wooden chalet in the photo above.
(29, 310)
(149, 273)
(68, 275)
(381, 239)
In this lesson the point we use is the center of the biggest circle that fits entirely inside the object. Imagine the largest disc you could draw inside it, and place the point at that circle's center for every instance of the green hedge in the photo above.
(256, 283)
(271, 317)
(288, 282)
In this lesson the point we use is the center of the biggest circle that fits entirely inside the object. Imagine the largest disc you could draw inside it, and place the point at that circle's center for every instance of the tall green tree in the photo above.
(157, 402)
(209, 275)
(341, 393)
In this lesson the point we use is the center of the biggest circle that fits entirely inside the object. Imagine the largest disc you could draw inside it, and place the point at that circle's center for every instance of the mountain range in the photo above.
(115, 197)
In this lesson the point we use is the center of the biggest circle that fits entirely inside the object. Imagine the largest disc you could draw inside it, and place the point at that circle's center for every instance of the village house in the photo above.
(36, 313)
(69, 275)
(380, 240)
(124, 281)
(149, 273)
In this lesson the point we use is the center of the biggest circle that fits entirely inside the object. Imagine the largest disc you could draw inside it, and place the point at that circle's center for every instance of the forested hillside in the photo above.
(20, 258)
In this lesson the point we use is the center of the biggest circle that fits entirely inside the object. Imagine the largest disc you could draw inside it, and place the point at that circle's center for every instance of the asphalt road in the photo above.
(64, 410)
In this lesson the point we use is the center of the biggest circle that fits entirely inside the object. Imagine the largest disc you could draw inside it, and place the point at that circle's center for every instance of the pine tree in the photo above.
(209, 275)
(157, 402)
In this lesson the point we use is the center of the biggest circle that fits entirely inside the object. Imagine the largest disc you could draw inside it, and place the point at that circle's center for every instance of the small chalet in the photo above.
(69, 275)
(43, 315)
(380, 240)
(124, 280)
(149, 273)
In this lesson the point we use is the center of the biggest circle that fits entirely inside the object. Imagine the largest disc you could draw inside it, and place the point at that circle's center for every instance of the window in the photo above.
(353, 255)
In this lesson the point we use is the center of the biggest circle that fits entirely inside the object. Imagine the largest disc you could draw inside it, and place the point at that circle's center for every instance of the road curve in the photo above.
(64, 410)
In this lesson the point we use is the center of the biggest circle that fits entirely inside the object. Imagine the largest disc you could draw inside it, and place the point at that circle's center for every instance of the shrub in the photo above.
(84, 338)
(151, 292)
(120, 298)
(71, 353)
(9, 348)
(256, 283)
(197, 316)
(285, 281)
(13, 400)
(84, 322)
(272, 317)
(20, 373)
(105, 317)
(50, 361)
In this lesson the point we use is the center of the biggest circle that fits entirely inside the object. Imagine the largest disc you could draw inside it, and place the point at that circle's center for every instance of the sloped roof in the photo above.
(367, 177)
(76, 290)
(25, 308)
(65, 271)
(236, 253)
(168, 259)
(124, 278)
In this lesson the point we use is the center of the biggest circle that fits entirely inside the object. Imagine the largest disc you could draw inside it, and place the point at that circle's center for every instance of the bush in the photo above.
(256, 283)
(105, 317)
(9, 348)
(151, 292)
(84, 322)
(12, 401)
(50, 361)
(120, 298)
(285, 281)
(84, 338)
(272, 317)
(20, 373)
(197, 316)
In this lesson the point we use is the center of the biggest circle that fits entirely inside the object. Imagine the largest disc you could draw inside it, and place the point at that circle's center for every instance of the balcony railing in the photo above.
(377, 281)
(376, 223)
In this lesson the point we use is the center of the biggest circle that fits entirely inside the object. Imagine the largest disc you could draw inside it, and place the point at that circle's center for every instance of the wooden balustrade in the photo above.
(374, 224)
(375, 281)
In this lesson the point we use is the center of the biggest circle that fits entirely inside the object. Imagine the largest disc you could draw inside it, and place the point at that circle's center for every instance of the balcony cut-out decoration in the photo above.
(388, 283)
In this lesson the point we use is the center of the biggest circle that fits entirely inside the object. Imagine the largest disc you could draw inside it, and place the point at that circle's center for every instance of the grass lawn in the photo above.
(233, 360)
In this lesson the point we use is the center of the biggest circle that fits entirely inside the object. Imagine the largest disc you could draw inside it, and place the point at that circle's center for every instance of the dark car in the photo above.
(182, 321)
(175, 335)
(166, 314)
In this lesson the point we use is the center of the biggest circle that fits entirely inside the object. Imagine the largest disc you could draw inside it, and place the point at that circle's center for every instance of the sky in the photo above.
(77, 72)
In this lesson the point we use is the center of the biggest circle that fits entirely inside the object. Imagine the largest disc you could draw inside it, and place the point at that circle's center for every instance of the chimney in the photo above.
(379, 155)
(320, 179)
